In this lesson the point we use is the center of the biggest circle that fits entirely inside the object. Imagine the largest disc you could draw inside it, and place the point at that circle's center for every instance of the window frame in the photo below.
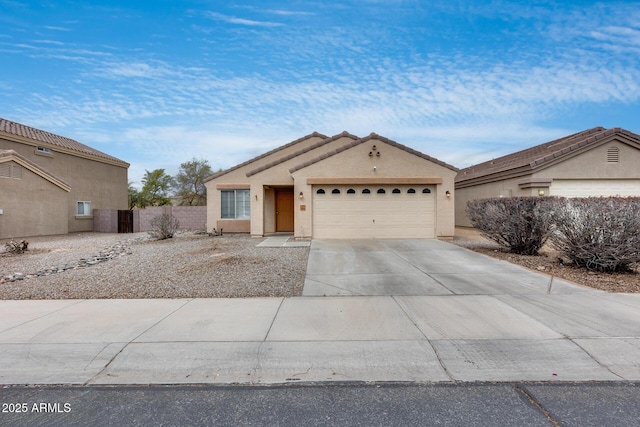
(242, 204)
(84, 204)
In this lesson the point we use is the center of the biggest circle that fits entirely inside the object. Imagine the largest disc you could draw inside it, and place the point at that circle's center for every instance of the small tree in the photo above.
(155, 188)
(189, 182)
(598, 233)
(519, 223)
(164, 226)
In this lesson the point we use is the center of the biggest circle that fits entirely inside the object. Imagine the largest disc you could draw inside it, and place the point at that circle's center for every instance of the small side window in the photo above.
(83, 209)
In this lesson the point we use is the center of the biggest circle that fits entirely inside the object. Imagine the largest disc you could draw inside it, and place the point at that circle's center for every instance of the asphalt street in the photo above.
(392, 404)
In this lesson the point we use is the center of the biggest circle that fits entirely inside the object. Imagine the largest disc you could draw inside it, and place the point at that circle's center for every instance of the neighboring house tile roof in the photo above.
(366, 139)
(540, 156)
(37, 135)
(262, 156)
(12, 155)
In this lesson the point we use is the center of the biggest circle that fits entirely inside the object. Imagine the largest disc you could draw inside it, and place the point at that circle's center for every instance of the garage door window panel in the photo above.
(235, 204)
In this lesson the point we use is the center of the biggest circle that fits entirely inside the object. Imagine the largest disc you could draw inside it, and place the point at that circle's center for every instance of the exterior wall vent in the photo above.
(613, 155)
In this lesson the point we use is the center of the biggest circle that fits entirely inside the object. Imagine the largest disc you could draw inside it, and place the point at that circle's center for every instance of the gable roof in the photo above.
(13, 156)
(366, 139)
(540, 156)
(268, 153)
(21, 133)
(304, 150)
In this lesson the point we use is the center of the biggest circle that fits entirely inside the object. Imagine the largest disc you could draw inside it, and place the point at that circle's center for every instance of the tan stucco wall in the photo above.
(36, 211)
(277, 176)
(102, 184)
(591, 164)
(393, 162)
(354, 162)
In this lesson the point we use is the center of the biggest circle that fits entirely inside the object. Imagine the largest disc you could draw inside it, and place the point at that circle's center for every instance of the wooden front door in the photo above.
(284, 210)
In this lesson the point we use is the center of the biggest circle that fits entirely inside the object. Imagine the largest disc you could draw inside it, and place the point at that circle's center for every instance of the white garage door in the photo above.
(595, 187)
(382, 211)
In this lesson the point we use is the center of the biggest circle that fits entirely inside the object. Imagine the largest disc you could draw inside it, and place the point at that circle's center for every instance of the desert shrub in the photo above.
(598, 233)
(164, 226)
(15, 247)
(518, 223)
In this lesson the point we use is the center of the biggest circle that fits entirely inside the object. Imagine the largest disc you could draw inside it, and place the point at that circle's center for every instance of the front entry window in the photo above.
(236, 204)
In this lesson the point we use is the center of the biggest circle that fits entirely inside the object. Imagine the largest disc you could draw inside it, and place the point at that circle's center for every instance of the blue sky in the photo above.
(157, 83)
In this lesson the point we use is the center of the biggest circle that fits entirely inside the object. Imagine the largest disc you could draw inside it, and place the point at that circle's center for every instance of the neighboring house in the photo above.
(338, 187)
(50, 184)
(595, 162)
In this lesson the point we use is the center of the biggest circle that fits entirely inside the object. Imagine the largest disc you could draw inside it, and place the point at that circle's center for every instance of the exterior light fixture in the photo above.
(541, 192)
(301, 196)
(448, 194)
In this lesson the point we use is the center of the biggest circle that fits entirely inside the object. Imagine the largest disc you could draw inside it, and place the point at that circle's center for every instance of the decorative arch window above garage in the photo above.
(411, 191)
(381, 191)
(351, 191)
(320, 191)
(366, 191)
(396, 191)
(426, 191)
(335, 191)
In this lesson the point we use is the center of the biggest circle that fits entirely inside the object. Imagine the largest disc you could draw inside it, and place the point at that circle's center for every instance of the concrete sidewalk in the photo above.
(566, 337)
(417, 310)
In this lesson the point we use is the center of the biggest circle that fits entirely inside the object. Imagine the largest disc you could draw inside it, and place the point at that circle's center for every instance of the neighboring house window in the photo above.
(236, 204)
(613, 155)
(44, 150)
(84, 209)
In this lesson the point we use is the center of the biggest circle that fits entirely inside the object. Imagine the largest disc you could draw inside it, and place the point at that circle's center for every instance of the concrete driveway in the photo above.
(418, 267)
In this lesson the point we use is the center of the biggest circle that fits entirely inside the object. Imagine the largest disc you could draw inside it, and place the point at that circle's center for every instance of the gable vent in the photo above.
(5, 170)
(613, 155)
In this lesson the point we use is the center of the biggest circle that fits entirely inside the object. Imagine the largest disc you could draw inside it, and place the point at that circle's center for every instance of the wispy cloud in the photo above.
(241, 21)
(54, 28)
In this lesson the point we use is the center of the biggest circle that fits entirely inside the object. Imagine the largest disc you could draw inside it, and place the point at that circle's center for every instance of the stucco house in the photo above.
(594, 162)
(342, 186)
(50, 184)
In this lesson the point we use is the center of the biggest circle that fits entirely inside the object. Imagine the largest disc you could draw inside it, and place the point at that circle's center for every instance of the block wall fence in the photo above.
(190, 218)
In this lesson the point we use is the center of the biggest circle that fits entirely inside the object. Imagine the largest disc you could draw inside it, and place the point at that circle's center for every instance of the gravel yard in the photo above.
(548, 262)
(187, 266)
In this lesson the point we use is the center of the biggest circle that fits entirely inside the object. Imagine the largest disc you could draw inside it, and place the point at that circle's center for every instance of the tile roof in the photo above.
(17, 129)
(369, 138)
(525, 161)
(268, 153)
(300, 152)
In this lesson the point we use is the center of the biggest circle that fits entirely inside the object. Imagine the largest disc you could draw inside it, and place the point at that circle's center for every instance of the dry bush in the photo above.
(14, 247)
(598, 233)
(519, 223)
(164, 226)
